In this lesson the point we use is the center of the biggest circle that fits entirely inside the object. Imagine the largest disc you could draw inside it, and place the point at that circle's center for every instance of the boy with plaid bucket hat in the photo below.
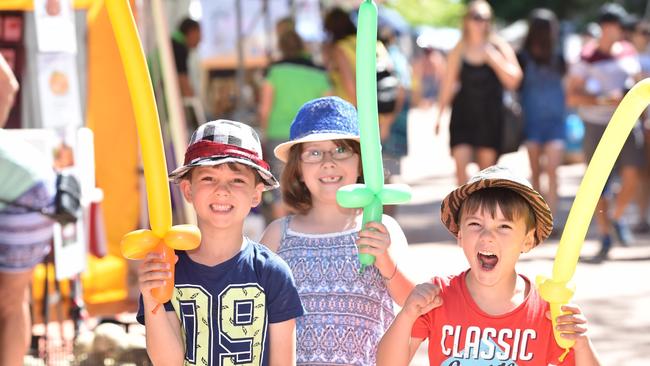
(234, 300)
(489, 314)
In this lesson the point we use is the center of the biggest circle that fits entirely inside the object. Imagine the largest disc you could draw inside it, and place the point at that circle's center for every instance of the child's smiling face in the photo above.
(223, 194)
(324, 178)
(492, 244)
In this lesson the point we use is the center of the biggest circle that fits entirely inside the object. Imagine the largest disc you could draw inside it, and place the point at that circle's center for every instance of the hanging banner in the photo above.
(55, 27)
(58, 88)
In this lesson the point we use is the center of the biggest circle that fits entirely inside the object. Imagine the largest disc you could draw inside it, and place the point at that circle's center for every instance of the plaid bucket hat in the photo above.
(493, 177)
(223, 141)
(321, 119)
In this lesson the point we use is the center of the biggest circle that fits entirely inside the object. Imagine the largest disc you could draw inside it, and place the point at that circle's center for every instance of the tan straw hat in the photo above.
(493, 177)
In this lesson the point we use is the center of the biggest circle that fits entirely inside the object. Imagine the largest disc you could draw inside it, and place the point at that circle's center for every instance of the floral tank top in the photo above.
(346, 313)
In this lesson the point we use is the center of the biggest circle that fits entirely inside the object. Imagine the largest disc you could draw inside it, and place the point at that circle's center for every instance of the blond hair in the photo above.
(472, 5)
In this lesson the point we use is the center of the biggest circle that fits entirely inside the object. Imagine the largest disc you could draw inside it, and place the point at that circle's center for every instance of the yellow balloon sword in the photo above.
(558, 290)
(162, 237)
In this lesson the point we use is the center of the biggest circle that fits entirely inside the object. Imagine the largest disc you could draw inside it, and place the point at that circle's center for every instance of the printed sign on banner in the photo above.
(55, 27)
(58, 88)
(69, 250)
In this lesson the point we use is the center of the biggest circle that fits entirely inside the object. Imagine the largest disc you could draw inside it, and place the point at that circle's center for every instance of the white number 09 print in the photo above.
(238, 320)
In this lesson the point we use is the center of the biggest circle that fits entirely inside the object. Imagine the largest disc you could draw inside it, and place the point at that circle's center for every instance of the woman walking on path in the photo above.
(542, 100)
(482, 65)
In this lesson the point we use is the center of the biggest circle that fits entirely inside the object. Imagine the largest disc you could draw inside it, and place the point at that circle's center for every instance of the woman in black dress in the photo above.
(479, 68)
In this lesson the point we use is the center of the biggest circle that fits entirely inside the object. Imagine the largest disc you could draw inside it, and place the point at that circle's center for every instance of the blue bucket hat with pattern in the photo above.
(322, 119)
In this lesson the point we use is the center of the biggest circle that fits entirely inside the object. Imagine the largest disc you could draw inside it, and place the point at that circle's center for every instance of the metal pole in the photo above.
(240, 61)
(172, 97)
(268, 27)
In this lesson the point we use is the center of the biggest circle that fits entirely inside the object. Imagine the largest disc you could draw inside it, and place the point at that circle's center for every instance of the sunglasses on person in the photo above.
(312, 156)
(477, 17)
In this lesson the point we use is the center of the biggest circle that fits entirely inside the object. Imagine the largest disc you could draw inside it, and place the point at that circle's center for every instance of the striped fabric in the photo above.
(25, 236)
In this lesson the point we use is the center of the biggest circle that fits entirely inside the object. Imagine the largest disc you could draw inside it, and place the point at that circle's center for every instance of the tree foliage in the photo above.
(429, 12)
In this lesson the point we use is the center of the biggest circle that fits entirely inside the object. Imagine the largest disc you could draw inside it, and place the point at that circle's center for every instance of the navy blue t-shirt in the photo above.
(225, 310)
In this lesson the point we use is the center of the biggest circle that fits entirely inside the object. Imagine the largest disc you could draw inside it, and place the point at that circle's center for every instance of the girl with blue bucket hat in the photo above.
(346, 312)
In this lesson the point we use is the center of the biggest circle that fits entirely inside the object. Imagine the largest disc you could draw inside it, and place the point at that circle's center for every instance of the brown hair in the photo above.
(338, 24)
(290, 44)
(235, 167)
(511, 203)
(294, 191)
(284, 24)
(542, 36)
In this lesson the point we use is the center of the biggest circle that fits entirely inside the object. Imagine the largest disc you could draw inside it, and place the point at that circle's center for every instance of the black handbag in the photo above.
(67, 201)
(512, 132)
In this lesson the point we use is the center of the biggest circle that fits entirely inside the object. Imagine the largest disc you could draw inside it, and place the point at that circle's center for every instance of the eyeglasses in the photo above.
(479, 17)
(312, 156)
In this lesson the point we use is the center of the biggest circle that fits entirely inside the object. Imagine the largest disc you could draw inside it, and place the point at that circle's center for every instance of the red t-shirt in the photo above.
(460, 333)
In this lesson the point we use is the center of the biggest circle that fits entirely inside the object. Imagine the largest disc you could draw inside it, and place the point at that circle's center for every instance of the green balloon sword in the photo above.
(373, 195)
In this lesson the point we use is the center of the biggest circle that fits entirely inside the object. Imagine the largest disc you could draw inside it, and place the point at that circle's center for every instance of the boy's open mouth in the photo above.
(487, 260)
